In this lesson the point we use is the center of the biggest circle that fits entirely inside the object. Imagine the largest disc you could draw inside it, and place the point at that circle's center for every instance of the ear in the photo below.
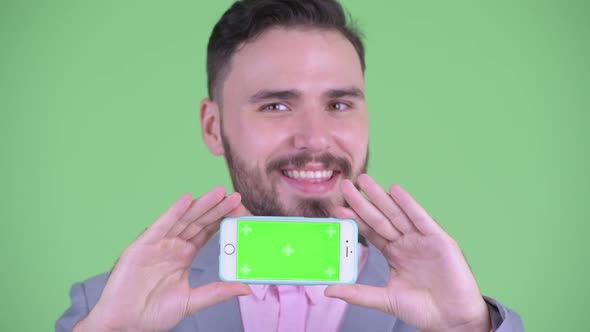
(211, 126)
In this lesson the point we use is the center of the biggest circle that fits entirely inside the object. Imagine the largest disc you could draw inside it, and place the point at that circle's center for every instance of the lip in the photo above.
(310, 167)
(312, 186)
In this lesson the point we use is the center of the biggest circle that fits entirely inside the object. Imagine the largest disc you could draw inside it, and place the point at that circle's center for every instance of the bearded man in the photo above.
(287, 110)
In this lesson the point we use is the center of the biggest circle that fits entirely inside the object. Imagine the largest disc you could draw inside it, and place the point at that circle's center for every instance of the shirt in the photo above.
(261, 312)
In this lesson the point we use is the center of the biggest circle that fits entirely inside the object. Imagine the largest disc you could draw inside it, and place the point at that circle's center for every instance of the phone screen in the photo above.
(287, 250)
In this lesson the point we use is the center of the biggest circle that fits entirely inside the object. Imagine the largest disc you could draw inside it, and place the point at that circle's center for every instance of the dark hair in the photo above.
(247, 19)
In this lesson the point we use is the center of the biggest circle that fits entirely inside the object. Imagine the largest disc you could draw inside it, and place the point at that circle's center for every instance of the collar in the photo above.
(314, 293)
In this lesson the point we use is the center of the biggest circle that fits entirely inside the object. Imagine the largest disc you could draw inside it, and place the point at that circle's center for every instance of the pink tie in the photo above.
(292, 308)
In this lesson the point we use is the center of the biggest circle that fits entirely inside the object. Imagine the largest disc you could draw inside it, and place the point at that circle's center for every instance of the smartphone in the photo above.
(288, 250)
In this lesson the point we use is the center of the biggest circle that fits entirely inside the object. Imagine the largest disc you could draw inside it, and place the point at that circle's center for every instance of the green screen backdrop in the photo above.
(480, 109)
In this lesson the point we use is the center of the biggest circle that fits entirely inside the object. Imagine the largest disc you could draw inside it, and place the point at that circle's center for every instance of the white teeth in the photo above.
(309, 175)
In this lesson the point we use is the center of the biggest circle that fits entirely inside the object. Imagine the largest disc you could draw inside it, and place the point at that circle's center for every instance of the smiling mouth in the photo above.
(311, 180)
(309, 175)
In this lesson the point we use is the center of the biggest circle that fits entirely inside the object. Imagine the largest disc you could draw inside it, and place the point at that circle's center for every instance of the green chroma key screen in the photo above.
(283, 250)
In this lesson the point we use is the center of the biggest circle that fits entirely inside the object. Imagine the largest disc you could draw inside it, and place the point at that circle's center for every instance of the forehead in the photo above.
(310, 60)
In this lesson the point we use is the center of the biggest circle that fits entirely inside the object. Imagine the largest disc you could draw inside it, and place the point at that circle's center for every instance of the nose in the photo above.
(312, 132)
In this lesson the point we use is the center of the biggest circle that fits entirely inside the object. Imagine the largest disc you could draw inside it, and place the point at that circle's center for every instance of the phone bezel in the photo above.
(348, 265)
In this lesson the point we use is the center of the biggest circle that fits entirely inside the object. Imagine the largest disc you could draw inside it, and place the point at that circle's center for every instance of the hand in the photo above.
(148, 289)
(431, 286)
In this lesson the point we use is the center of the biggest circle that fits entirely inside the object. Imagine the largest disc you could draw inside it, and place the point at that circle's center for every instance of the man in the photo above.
(287, 109)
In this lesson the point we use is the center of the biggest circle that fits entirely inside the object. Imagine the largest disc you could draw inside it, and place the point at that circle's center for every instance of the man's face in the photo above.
(294, 121)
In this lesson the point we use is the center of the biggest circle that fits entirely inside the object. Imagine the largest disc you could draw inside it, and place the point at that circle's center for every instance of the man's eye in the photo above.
(338, 106)
(276, 107)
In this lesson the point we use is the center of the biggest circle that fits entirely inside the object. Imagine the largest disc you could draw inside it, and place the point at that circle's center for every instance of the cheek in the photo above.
(257, 140)
(264, 135)
(354, 138)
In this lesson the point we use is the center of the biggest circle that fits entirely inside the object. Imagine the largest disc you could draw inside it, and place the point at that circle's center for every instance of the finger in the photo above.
(214, 215)
(214, 293)
(368, 212)
(199, 206)
(239, 211)
(166, 221)
(384, 202)
(362, 295)
(197, 209)
(205, 234)
(419, 217)
(377, 240)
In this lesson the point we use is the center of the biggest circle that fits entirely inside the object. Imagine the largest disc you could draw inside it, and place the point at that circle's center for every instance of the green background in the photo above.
(261, 250)
(479, 108)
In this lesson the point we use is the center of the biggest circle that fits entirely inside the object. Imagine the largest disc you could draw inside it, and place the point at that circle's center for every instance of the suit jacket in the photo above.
(226, 316)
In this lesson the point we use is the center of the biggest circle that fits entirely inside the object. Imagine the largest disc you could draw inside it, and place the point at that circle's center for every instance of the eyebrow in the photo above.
(274, 94)
(352, 92)
(263, 95)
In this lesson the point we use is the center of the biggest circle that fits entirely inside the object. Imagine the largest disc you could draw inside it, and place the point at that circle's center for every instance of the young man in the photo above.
(287, 109)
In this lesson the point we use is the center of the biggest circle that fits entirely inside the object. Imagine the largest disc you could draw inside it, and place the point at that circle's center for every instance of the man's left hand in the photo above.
(431, 286)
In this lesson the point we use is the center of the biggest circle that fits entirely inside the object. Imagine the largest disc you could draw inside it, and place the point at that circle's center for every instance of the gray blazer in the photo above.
(226, 316)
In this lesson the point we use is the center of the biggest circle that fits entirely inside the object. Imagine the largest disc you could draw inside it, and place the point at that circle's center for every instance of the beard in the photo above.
(261, 198)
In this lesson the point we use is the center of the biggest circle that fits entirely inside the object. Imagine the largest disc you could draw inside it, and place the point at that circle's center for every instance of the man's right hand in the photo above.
(148, 289)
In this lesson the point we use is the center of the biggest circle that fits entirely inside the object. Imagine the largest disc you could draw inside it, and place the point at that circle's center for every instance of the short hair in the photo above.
(247, 19)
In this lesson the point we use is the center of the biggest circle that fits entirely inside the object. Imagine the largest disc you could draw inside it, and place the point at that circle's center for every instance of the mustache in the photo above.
(327, 160)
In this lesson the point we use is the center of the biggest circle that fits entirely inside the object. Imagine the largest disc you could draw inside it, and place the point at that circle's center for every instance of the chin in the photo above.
(312, 208)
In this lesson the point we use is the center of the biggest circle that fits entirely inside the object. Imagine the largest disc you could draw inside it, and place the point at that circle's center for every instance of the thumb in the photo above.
(214, 293)
(362, 295)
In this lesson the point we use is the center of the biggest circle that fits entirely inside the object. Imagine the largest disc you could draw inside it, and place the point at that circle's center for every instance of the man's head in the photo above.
(287, 106)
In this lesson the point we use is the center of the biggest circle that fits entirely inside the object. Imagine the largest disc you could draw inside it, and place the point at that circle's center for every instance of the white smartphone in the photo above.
(288, 250)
